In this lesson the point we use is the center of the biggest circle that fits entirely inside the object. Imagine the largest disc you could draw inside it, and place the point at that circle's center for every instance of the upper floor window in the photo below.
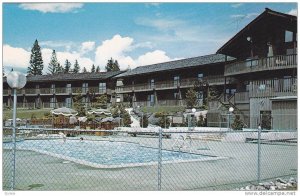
(68, 102)
(288, 36)
(151, 83)
(85, 87)
(176, 80)
(102, 87)
(200, 76)
(52, 89)
(68, 88)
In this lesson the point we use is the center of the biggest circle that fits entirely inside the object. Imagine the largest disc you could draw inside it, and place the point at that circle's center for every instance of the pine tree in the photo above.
(98, 69)
(76, 67)
(53, 65)
(116, 66)
(60, 68)
(191, 98)
(84, 70)
(112, 65)
(78, 105)
(67, 68)
(36, 60)
(93, 69)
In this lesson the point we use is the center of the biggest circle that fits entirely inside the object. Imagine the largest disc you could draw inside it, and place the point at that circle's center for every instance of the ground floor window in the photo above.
(266, 119)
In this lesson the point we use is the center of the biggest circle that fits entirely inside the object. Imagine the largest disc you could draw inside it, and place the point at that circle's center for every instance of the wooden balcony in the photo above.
(7, 92)
(168, 102)
(170, 84)
(262, 64)
(58, 91)
(241, 97)
(273, 88)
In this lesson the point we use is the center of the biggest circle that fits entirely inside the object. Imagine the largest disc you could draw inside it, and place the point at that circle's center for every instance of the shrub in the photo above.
(238, 123)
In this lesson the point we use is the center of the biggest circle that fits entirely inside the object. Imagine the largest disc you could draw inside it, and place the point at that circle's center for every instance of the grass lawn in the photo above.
(167, 109)
(25, 113)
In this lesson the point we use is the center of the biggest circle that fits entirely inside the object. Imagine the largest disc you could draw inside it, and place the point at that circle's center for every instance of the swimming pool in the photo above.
(105, 154)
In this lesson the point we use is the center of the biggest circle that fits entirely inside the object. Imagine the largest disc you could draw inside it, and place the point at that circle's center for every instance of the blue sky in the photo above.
(135, 34)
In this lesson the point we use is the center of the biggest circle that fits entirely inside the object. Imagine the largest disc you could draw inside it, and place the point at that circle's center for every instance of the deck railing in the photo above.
(58, 90)
(170, 84)
(262, 64)
(272, 88)
(241, 97)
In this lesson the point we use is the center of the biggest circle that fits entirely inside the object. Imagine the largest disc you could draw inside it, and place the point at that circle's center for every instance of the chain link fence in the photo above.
(145, 158)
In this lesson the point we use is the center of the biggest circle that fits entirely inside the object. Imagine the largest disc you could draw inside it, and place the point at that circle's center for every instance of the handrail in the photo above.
(261, 64)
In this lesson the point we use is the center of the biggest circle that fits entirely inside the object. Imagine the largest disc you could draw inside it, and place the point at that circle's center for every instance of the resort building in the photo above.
(265, 70)
(166, 84)
(58, 90)
(255, 72)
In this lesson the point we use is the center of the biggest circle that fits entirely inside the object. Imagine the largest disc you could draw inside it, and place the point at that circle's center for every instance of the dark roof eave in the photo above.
(139, 72)
(267, 11)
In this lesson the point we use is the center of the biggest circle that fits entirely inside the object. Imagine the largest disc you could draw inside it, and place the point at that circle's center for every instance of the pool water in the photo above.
(103, 153)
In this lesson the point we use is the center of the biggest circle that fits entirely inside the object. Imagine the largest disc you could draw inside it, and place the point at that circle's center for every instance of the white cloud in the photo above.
(115, 48)
(71, 56)
(67, 45)
(236, 5)
(87, 47)
(249, 15)
(118, 47)
(157, 56)
(52, 7)
(161, 24)
(15, 57)
(154, 4)
(293, 12)
(19, 58)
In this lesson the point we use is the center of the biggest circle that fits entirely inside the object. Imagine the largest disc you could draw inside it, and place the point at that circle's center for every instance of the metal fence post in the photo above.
(159, 158)
(258, 152)
(13, 160)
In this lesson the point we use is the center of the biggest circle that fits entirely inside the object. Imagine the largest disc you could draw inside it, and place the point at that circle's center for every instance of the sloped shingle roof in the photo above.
(71, 76)
(178, 64)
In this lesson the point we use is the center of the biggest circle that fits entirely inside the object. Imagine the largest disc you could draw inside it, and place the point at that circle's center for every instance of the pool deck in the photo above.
(42, 172)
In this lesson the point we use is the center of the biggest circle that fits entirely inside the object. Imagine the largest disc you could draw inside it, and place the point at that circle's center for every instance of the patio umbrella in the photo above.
(72, 120)
(108, 119)
(64, 111)
(99, 112)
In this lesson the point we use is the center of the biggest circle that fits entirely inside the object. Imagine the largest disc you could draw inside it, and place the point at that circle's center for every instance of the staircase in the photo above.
(221, 107)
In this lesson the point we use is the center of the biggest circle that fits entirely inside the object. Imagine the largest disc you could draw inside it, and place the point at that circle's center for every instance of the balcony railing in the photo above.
(168, 102)
(272, 88)
(262, 64)
(59, 90)
(171, 84)
(241, 97)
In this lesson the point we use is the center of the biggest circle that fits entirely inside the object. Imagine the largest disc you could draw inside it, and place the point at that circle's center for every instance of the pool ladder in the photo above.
(182, 142)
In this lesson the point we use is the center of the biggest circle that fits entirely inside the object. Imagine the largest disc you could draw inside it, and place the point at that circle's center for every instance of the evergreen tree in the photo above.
(93, 69)
(112, 65)
(101, 102)
(98, 69)
(238, 123)
(53, 65)
(67, 68)
(84, 70)
(79, 105)
(191, 98)
(60, 69)
(36, 61)
(76, 67)
(144, 121)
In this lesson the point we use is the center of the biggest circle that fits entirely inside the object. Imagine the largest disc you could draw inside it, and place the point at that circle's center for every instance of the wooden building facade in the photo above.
(266, 66)
(58, 90)
(166, 84)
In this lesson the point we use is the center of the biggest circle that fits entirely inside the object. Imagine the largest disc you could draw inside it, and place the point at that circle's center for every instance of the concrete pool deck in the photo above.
(49, 173)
